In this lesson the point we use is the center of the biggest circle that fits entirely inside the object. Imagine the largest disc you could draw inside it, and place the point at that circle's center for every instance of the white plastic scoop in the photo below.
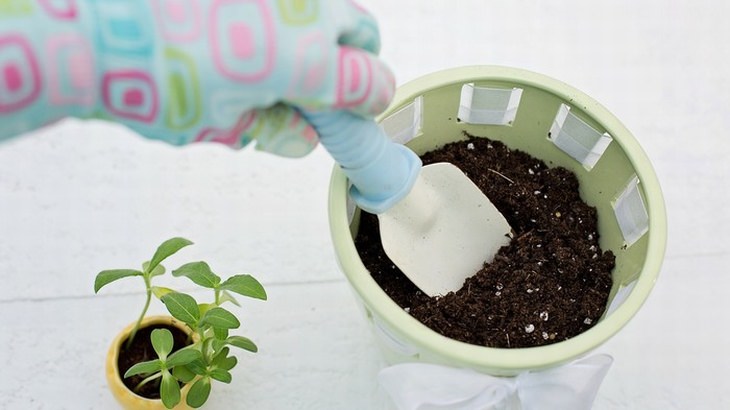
(435, 224)
(443, 231)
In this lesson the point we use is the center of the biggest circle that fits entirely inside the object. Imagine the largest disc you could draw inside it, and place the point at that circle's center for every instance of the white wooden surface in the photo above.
(83, 196)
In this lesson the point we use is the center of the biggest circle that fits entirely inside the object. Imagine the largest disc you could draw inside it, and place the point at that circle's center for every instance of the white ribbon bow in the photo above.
(422, 386)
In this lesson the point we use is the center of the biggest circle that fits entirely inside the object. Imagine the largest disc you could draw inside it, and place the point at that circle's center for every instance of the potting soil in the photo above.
(549, 284)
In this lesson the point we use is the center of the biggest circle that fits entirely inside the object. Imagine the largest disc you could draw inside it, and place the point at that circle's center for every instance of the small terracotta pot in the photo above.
(127, 398)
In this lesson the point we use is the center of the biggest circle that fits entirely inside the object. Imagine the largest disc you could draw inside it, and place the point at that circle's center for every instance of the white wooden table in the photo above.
(83, 196)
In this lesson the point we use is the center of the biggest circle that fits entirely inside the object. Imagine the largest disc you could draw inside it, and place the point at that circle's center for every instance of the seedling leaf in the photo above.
(245, 285)
(221, 375)
(227, 297)
(242, 343)
(162, 342)
(158, 271)
(166, 249)
(183, 373)
(229, 363)
(220, 335)
(183, 357)
(197, 367)
(169, 390)
(160, 291)
(223, 361)
(204, 308)
(220, 318)
(219, 343)
(144, 368)
(220, 356)
(182, 307)
(199, 392)
(199, 273)
(106, 277)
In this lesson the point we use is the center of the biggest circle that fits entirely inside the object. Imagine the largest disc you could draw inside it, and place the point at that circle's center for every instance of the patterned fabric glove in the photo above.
(185, 71)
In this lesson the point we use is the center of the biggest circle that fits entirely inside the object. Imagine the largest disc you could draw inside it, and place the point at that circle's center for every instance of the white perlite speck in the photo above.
(530, 328)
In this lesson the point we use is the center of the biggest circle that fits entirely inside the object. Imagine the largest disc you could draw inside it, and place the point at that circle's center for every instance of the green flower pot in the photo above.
(553, 122)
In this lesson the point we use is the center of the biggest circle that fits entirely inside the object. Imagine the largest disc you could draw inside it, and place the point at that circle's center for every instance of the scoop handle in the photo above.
(382, 172)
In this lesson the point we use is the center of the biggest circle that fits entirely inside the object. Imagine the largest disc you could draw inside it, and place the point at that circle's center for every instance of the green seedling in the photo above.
(207, 358)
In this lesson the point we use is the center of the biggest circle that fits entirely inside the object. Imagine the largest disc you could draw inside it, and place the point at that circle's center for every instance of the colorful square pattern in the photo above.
(311, 58)
(298, 12)
(120, 29)
(20, 80)
(355, 78)
(130, 94)
(183, 91)
(242, 39)
(15, 8)
(179, 21)
(60, 9)
(72, 81)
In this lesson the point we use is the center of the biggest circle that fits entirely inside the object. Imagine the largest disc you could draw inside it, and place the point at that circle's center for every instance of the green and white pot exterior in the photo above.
(551, 121)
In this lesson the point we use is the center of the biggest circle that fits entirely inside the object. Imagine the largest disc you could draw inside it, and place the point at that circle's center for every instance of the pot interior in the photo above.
(560, 129)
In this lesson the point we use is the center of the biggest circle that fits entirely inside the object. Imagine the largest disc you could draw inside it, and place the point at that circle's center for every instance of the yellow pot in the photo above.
(127, 398)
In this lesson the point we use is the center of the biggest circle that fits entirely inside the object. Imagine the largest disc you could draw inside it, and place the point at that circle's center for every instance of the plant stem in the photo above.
(206, 349)
(147, 380)
(190, 335)
(217, 297)
(148, 286)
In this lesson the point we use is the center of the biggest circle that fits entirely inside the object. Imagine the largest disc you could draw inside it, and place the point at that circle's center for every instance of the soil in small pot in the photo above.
(549, 284)
(141, 350)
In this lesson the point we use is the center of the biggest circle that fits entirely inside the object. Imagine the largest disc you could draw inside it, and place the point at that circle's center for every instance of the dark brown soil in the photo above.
(141, 350)
(549, 284)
